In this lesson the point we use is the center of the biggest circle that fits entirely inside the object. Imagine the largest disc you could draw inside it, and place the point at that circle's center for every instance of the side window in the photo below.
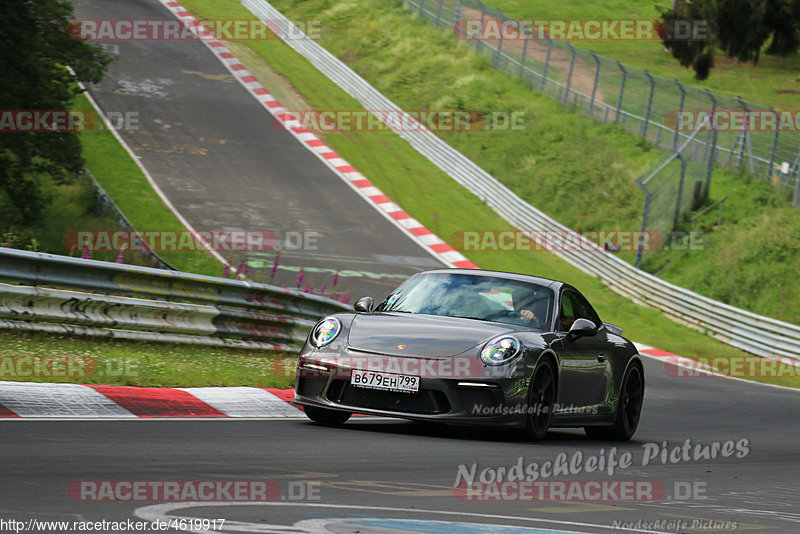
(567, 315)
(588, 312)
(573, 306)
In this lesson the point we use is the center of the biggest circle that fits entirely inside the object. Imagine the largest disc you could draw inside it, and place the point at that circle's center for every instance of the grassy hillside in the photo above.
(774, 80)
(580, 172)
(423, 190)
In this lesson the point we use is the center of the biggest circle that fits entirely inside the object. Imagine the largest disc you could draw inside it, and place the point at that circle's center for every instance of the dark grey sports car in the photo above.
(475, 347)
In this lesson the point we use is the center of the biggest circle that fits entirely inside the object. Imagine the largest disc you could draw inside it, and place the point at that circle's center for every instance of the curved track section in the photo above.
(226, 165)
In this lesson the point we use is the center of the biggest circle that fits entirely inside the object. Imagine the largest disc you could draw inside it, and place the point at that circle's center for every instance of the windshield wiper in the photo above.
(467, 317)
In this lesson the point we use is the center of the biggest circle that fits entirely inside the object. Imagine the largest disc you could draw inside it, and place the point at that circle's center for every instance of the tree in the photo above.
(35, 53)
(741, 29)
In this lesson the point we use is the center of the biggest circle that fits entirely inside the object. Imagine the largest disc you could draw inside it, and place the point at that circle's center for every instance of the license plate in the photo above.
(385, 381)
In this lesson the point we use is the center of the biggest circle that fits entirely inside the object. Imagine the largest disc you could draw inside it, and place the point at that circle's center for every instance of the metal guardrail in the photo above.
(131, 302)
(753, 333)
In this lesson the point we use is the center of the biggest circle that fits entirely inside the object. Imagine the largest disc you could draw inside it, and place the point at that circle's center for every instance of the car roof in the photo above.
(547, 282)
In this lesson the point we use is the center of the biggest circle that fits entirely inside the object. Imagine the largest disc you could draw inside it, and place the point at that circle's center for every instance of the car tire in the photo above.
(541, 400)
(325, 416)
(629, 409)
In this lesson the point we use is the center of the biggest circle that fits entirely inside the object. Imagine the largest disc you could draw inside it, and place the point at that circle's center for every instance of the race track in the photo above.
(219, 157)
(374, 468)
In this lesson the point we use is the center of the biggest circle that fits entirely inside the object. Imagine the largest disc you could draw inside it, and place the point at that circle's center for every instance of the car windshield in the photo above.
(485, 298)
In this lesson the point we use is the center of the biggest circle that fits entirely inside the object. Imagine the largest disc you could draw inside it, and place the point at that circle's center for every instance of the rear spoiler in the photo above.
(614, 329)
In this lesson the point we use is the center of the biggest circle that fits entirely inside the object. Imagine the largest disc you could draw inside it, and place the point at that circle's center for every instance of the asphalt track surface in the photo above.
(371, 473)
(217, 155)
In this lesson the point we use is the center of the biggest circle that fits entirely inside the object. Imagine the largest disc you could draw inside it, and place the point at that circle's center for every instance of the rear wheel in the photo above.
(629, 409)
(326, 416)
(541, 400)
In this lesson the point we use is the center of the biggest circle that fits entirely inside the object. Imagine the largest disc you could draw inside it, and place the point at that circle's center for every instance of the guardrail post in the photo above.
(569, 76)
(649, 104)
(546, 60)
(645, 216)
(621, 89)
(596, 81)
(774, 145)
(680, 111)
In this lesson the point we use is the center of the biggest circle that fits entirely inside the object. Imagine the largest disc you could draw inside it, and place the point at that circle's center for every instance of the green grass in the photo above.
(437, 79)
(772, 81)
(67, 205)
(132, 363)
(120, 362)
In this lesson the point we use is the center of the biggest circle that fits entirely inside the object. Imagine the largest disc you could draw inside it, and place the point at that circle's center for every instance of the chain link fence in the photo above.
(664, 111)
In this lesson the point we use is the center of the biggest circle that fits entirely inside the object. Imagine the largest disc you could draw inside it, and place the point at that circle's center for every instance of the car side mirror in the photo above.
(364, 304)
(582, 327)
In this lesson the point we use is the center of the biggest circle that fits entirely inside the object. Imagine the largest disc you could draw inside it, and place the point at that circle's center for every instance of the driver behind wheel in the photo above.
(532, 308)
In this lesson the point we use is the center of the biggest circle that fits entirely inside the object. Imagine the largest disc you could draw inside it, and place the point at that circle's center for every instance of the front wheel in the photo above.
(629, 409)
(326, 416)
(541, 400)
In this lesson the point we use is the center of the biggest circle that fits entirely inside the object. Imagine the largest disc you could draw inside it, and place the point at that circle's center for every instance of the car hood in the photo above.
(430, 336)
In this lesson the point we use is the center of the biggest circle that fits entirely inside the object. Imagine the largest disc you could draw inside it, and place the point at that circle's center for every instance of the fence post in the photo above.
(596, 81)
(546, 60)
(621, 89)
(712, 156)
(645, 216)
(649, 103)
(421, 6)
(569, 76)
(774, 145)
(677, 217)
(479, 40)
(745, 136)
(499, 45)
(522, 61)
(796, 199)
(439, 12)
(680, 110)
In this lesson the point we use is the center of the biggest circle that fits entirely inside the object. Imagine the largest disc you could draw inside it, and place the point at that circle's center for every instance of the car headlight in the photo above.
(500, 350)
(325, 331)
